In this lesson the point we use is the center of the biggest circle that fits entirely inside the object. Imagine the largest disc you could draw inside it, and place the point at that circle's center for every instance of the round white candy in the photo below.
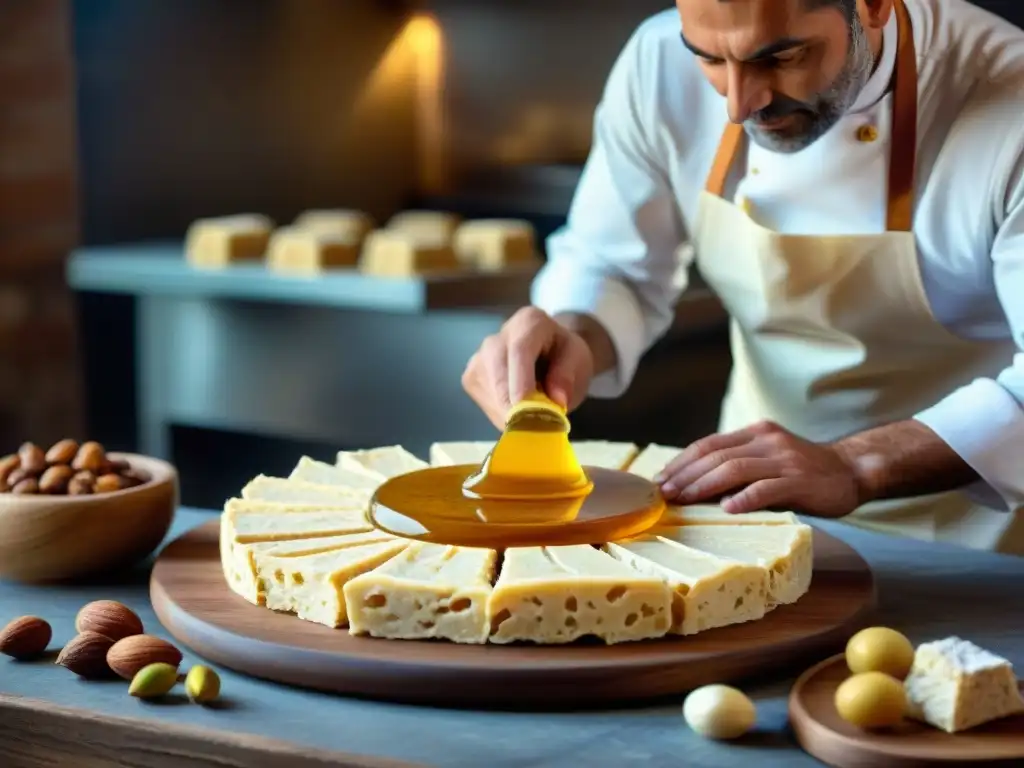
(719, 712)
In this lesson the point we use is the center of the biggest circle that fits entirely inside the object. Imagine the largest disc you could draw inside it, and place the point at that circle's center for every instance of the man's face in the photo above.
(788, 70)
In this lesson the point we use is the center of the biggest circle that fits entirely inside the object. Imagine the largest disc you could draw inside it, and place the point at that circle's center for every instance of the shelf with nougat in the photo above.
(319, 241)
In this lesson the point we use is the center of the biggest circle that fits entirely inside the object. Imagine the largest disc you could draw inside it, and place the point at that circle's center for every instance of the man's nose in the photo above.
(748, 91)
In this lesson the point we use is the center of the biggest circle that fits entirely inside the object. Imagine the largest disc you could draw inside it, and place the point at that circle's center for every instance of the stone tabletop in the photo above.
(927, 591)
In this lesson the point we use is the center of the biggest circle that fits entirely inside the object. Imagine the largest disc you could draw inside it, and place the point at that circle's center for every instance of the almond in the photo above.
(79, 487)
(55, 479)
(110, 619)
(26, 487)
(25, 638)
(115, 466)
(62, 453)
(107, 484)
(33, 460)
(90, 456)
(18, 475)
(86, 656)
(8, 464)
(126, 657)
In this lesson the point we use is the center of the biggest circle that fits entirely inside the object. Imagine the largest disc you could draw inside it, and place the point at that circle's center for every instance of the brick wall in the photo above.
(39, 378)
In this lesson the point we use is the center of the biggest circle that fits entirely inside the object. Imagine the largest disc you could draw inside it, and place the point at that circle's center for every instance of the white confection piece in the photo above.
(426, 226)
(389, 253)
(652, 460)
(709, 591)
(312, 586)
(719, 712)
(352, 225)
(493, 244)
(707, 514)
(219, 241)
(785, 550)
(321, 473)
(430, 591)
(556, 595)
(296, 251)
(246, 525)
(954, 685)
(286, 491)
(385, 462)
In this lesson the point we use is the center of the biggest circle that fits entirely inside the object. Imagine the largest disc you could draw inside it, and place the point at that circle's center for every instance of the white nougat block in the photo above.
(388, 253)
(219, 241)
(347, 223)
(293, 250)
(430, 226)
(493, 244)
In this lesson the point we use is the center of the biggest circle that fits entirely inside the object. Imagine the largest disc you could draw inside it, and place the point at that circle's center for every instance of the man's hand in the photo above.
(503, 370)
(764, 467)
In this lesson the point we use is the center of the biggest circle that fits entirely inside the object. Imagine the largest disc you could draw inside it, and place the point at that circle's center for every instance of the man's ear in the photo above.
(874, 14)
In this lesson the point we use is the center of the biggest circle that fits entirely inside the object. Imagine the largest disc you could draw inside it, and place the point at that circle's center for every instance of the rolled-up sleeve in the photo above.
(984, 420)
(618, 258)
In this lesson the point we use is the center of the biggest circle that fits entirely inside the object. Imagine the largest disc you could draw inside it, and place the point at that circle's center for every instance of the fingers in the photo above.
(486, 381)
(701, 449)
(686, 474)
(730, 475)
(570, 360)
(529, 334)
(770, 493)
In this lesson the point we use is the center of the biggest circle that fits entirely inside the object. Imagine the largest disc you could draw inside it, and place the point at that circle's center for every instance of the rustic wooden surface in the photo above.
(927, 591)
(196, 606)
(821, 731)
(40, 734)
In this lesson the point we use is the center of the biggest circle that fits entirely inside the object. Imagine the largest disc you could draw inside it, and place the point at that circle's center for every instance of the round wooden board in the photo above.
(826, 736)
(194, 603)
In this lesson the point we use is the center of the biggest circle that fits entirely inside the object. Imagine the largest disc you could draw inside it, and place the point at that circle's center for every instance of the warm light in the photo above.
(414, 61)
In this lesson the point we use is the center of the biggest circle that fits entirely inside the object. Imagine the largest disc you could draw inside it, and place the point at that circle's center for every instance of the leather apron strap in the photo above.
(902, 150)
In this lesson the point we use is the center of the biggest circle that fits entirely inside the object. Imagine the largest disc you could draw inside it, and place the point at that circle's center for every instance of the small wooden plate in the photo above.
(826, 736)
(194, 603)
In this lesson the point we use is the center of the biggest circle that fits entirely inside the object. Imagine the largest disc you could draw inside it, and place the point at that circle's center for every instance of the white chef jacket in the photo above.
(622, 255)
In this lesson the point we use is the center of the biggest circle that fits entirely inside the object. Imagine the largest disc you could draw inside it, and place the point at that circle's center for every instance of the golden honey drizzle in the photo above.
(529, 491)
(430, 505)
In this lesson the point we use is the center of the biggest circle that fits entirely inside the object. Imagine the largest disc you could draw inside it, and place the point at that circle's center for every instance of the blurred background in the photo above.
(123, 121)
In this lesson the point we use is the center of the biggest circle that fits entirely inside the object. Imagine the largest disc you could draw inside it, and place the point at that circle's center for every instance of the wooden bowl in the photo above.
(56, 538)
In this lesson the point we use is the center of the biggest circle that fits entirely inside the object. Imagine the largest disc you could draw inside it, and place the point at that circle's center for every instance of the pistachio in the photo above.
(153, 680)
(202, 684)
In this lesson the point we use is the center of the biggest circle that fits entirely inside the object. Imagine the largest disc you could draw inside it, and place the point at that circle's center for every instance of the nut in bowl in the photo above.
(74, 510)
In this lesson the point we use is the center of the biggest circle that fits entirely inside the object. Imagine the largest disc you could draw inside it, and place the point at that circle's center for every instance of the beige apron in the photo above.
(832, 335)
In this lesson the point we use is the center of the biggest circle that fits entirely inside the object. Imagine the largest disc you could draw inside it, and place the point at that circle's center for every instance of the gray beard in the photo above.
(828, 107)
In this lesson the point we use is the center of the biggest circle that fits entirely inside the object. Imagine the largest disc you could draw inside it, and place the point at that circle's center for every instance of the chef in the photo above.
(848, 177)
